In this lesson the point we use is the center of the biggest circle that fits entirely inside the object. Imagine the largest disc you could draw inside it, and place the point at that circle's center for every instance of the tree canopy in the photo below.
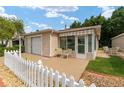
(110, 27)
(8, 27)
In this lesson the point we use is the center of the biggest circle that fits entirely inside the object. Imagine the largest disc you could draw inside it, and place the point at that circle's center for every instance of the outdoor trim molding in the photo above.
(118, 36)
(97, 27)
(80, 29)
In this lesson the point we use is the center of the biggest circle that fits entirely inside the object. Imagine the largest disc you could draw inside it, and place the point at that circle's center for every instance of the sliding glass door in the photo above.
(76, 43)
(67, 42)
(80, 46)
(90, 43)
(71, 42)
(63, 42)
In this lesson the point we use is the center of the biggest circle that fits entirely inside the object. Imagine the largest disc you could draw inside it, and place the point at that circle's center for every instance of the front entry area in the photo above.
(83, 45)
(76, 43)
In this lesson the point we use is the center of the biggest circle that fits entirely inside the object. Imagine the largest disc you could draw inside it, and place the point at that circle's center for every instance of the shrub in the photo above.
(15, 47)
(1, 51)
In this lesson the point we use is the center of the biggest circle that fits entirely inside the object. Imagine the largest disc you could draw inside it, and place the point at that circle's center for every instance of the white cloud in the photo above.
(2, 10)
(51, 14)
(31, 27)
(55, 8)
(4, 14)
(28, 28)
(57, 11)
(60, 8)
(107, 11)
(62, 22)
(41, 26)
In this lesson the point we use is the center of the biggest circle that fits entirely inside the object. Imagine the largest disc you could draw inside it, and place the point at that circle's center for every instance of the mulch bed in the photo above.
(102, 80)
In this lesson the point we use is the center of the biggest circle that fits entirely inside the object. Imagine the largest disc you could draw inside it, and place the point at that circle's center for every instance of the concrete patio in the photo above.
(70, 66)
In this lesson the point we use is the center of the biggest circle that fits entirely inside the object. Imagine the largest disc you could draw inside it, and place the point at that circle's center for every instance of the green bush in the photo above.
(15, 47)
(1, 51)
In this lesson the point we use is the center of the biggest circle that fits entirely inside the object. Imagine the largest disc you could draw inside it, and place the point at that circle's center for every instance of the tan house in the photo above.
(83, 41)
(118, 41)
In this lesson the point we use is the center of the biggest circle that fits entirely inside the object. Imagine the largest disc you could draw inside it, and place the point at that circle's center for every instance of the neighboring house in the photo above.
(118, 41)
(83, 41)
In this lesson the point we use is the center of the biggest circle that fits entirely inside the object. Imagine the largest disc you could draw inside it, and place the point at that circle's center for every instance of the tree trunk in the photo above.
(2, 42)
(6, 43)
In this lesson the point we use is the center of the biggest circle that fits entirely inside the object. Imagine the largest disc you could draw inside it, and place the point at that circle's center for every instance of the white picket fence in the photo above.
(34, 74)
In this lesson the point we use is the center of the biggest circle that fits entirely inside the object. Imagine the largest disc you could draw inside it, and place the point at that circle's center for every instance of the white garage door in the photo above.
(36, 45)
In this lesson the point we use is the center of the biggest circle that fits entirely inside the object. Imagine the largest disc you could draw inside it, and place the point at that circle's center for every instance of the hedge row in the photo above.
(16, 47)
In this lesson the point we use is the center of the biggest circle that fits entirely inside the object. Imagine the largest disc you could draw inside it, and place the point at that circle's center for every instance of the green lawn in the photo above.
(112, 66)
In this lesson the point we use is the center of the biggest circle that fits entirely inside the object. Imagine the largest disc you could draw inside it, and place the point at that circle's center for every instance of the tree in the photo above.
(117, 21)
(8, 27)
(98, 20)
(18, 25)
(76, 24)
(110, 27)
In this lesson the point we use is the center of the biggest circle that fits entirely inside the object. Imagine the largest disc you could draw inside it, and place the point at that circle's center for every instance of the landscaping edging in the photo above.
(102, 80)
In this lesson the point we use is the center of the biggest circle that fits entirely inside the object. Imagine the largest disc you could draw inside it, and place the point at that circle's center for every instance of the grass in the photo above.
(112, 66)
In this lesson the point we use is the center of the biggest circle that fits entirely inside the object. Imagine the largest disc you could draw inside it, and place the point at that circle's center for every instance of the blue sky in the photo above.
(37, 17)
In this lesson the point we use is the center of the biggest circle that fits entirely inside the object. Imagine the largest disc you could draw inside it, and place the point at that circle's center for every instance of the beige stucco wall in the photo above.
(54, 43)
(46, 44)
(118, 42)
(49, 43)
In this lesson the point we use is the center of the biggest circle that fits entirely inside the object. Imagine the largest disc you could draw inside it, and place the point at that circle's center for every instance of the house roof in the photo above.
(118, 36)
(39, 32)
(78, 29)
(97, 29)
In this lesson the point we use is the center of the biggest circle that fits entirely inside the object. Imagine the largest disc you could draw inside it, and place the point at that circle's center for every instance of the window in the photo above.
(81, 44)
(67, 42)
(90, 43)
(63, 42)
(94, 42)
(71, 42)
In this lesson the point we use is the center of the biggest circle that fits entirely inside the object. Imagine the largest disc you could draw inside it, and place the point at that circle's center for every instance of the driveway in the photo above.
(71, 66)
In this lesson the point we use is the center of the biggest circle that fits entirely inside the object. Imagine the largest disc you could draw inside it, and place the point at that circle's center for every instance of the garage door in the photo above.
(36, 45)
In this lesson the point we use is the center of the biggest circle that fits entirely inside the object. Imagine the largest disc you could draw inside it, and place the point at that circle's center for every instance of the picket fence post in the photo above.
(71, 83)
(81, 83)
(42, 76)
(51, 77)
(39, 68)
(63, 80)
(46, 76)
(56, 79)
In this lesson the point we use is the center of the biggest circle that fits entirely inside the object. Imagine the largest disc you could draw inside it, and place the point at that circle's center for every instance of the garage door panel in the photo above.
(36, 45)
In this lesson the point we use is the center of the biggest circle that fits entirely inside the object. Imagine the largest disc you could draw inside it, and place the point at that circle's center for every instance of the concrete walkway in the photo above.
(101, 53)
(71, 66)
(121, 54)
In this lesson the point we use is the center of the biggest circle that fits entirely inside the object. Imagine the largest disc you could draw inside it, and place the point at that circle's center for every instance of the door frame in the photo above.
(79, 55)
(40, 36)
